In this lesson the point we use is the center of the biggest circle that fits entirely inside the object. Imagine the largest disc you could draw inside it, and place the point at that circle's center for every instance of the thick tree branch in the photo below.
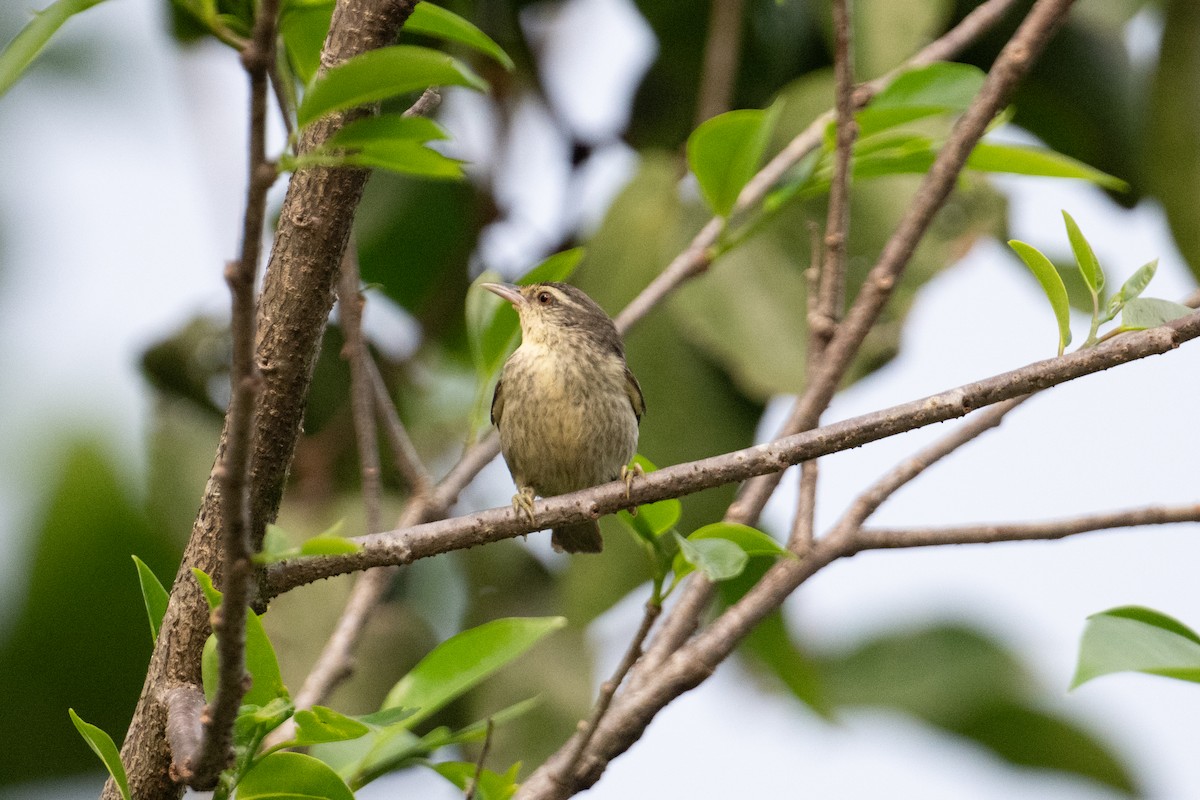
(297, 295)
(892, 538)
(421, 541)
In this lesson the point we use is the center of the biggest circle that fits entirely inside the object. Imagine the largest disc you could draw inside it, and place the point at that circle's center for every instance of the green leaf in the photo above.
(1133, 287)
(436, 21)
(277, 545)
(304, 27)
(1141, 313)
(718, 559)
(329, 545)
(653, 519)
(388, 126)
(321, 724)
(380, 74)
(992, 157)
(154, 594)
(1085, 257)
(491, 786)
(28, 43)
(1136, 639)
(752, 541)
(385, 717)
(102, 745)
(554, 268)
(254, 722)
(462, 661)
(395, 747)
(938, 88)
(724, 153)
(261, 663)
(292, 776)
(1052, 285)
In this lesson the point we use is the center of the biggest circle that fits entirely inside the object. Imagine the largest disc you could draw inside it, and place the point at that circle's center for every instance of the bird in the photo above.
(567, 406)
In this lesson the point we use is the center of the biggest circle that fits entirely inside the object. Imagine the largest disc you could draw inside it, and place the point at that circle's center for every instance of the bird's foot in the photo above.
(523, 501)
(627, 475)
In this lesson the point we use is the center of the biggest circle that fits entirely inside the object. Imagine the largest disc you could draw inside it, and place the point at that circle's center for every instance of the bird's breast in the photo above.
(567, 422)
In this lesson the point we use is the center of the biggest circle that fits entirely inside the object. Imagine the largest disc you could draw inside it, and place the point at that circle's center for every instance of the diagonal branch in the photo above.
(421, 541)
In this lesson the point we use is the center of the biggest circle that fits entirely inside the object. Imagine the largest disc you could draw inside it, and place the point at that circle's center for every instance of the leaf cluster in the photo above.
(349, 751)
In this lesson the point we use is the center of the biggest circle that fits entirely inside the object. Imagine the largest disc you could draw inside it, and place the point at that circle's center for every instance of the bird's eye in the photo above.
(545, 298)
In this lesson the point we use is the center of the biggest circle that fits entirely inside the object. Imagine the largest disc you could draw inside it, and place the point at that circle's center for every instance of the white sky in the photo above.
(121, 198)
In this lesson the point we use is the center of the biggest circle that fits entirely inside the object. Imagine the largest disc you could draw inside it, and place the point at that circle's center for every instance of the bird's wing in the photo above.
(632, 389)
(498, 403)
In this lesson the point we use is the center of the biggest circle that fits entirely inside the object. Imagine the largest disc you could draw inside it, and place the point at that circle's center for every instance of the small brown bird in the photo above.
(567, 406)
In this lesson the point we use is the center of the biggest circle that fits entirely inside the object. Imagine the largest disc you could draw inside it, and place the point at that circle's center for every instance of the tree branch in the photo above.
(892, 538)
(297, 294)
(215, 750)
(421, 541)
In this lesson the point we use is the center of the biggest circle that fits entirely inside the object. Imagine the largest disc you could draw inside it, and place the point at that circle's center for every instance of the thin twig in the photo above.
(824, 310)
(609, 688)
(483, 754)
(891, 538)
(362, 390)
(722, 46)
(233, 473)
(404, 453)
(837, 224)
(405, 545)
(424, 105)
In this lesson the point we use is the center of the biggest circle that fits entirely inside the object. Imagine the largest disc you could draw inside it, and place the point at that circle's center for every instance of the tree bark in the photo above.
(297, 295)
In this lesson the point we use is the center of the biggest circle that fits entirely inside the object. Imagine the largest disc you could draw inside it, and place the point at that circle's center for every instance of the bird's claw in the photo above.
(523, 501)
(627, 475)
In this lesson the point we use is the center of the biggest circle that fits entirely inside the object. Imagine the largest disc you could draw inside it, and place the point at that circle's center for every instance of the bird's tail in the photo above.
(582, 537)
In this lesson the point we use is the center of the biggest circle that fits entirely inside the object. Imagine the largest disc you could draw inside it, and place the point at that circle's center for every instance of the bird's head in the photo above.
(553, 312)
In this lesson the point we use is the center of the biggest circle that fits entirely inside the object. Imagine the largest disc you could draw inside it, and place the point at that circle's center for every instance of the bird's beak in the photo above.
(509, 292)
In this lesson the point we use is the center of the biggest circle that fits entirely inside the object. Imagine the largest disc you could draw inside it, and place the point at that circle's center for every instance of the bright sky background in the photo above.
(121, 195)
